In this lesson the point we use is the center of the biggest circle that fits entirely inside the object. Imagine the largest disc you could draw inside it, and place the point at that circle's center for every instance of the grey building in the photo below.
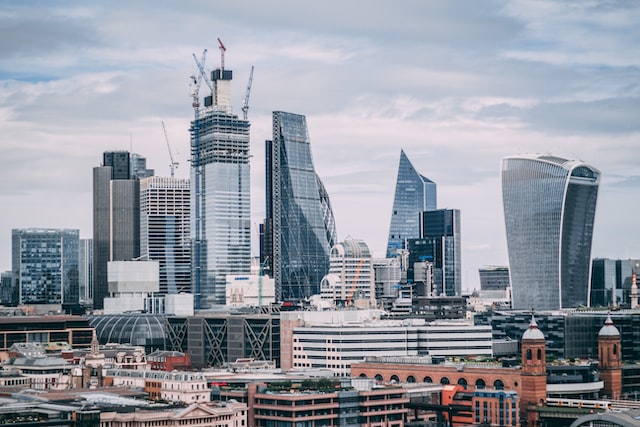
(549, 209)
(220, 189)
(165, 230)
(494, 278)
(45, 265)
(116, 218)
(299, 225)
(85, 269)
(414, 194)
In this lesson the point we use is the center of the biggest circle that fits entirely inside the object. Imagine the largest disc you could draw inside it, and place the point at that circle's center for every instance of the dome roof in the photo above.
(146, 330)
(608, 330)
(532, 332)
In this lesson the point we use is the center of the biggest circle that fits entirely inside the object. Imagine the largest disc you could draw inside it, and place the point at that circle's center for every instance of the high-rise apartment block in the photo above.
(414, 195)
(45, 265)
(299, 226)
(165, 230)
(549, 209)
(220, 222)
(116, 216)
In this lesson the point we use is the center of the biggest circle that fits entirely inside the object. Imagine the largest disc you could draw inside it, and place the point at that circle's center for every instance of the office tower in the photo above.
(116, 218)
(85, 269)
(45, 265)
(220, 223)
(611, 281)
(414, 194)
(350, 281)
(138, 167)
(549, 208)
(165, 230)
(440, 229)
(299, 226)
(494, 278)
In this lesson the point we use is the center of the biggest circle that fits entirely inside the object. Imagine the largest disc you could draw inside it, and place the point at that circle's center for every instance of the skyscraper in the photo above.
(299, 226)
(45, 265)
(116, 218)
(549, 209)
(165, 230)
(440, 229)
(221, 223)
(85, 270)
(414, 195)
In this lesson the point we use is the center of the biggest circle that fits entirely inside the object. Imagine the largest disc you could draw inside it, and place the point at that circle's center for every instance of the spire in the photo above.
(608, 330)
(532, 332)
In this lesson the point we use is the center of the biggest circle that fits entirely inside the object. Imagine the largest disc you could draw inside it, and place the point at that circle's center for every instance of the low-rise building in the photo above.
(185, 387)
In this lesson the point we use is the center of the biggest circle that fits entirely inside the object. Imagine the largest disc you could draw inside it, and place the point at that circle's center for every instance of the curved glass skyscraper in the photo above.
(414, 195)
(549, 209)
(300, 227)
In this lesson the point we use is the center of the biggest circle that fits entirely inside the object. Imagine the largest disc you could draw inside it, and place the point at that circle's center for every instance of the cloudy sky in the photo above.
(457, 85)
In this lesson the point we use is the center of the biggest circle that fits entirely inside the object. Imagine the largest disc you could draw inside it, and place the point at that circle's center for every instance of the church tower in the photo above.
(534, 371)
(609, 359)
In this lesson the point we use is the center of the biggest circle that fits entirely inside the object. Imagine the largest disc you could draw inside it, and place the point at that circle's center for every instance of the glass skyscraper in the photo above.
(549, 209)
(414, 195)
(220, 211)
(45, 264)
(299, 226)
(165, 230)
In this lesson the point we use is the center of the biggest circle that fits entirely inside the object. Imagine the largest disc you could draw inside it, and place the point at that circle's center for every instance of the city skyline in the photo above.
(456, 88)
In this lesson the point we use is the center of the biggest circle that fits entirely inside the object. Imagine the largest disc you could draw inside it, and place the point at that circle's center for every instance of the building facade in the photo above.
(45, 265)
(611, 281)
(441, 230)
(549, 209)
(220, 188)
(116, 218)
(165, 230)
(414, 194)
(494, 278)
(85, 269)
(351, 275)
(299, 225)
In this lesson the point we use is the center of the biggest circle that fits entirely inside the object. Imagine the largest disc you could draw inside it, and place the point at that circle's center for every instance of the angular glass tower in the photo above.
(299, 227)
(414, 195)
(220, 210)
(549, 209)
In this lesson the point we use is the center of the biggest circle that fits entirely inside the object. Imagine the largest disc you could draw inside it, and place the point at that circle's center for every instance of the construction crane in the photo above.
(222, 51)
(203, 72)
(355, 283)
(173, 165)
(245, 100)
(197, 80)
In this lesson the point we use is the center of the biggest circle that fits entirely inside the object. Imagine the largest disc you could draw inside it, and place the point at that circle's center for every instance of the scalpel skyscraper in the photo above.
(549, 209)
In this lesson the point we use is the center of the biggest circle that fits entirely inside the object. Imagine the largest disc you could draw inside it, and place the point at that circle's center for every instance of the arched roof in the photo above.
(147, 330)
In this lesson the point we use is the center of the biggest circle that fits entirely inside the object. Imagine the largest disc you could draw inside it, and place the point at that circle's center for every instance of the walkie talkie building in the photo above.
(549, 209)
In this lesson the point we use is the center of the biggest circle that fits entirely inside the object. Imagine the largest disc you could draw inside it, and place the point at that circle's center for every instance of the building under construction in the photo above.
(219, 186)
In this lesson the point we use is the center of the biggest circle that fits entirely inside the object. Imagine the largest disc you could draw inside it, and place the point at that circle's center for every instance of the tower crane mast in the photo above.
(222, 51)
(173, 165)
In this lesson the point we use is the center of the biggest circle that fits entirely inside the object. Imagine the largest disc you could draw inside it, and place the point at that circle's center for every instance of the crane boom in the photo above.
(245, 100)
(197, 80)
(173, 165)
(203, 73)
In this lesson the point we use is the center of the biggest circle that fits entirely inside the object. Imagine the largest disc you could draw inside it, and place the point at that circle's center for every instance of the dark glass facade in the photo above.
(494, 278)
(299, 226)
(45, 264)
(116, 218)
(441, 230)
(611, 281)
(549, 209)
(414, 195)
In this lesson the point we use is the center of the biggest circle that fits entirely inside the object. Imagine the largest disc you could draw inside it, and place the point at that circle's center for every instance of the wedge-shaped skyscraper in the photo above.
(414, 195)
(549, 209)
(299, 228)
